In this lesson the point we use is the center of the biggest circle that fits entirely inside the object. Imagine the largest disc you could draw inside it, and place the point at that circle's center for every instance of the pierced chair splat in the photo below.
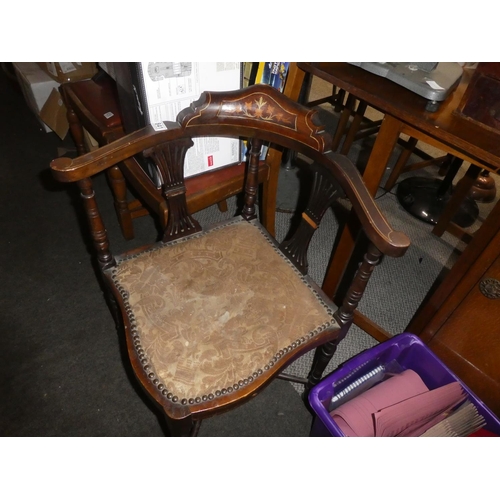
(212, 315)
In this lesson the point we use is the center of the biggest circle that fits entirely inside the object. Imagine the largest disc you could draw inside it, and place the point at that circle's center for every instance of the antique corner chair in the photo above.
(211, 316)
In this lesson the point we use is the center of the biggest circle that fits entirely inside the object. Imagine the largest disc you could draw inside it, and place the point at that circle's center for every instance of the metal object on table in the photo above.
(432, 80)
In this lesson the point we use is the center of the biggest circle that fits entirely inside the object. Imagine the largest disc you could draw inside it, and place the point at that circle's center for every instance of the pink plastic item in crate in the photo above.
(411, 354)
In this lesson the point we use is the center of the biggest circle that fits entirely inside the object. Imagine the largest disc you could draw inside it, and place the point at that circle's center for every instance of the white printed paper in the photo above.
(172, 86)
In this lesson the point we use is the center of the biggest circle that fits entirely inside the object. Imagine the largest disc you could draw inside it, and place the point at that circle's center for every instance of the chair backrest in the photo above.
(258, 114)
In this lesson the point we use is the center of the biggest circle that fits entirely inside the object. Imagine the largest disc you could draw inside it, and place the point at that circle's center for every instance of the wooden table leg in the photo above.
(460, 192)
(381, 152)
(359, 114)
(343, 121)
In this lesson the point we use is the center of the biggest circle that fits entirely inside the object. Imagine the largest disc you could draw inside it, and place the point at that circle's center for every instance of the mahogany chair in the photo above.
(211, 316)
(93, 105)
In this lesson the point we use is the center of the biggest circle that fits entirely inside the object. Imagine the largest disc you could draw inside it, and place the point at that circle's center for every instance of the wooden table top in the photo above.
(444, 125)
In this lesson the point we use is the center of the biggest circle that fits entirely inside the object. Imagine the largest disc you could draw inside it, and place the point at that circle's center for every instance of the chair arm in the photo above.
(71, 170)
(387, 240)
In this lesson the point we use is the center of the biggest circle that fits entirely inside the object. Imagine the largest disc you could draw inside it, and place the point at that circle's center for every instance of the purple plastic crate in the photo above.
(411, 353)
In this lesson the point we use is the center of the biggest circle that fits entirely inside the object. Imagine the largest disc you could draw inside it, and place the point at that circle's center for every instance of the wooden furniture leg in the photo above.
(401, 162)
(119, 188)
(343, 121)
(359, 114)
(462, 188)
(382, 149)
(76, 129)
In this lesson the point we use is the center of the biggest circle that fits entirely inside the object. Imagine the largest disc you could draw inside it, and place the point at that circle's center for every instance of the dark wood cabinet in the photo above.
(460, 321)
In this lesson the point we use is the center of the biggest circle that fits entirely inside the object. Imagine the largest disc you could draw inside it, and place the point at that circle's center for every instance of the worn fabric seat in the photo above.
(214, 312)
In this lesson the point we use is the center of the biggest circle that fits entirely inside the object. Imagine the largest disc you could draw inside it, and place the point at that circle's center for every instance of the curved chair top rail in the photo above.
(259, 106)
(259, 111)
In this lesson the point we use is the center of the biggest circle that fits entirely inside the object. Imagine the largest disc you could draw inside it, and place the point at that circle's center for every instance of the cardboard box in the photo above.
(53, 114)
(63, 72)
(36, 86)
(90, 143)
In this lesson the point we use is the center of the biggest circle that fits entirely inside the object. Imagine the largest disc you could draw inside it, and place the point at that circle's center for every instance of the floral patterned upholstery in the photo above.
(215, 310)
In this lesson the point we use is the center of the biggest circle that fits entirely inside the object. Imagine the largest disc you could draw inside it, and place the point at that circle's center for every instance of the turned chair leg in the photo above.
(76, 130)
(119, 189)
(185, 427)
(322, 357)
(345, 314)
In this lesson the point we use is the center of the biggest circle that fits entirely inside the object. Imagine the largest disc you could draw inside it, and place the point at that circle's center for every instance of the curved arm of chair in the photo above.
(71, 170)
(387, 240)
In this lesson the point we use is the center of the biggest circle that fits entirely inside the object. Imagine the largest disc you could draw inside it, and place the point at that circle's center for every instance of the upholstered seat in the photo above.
(227, 295)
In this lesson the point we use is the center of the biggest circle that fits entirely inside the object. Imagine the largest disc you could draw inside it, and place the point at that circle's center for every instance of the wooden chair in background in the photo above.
(211, 316)
(93, 106)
